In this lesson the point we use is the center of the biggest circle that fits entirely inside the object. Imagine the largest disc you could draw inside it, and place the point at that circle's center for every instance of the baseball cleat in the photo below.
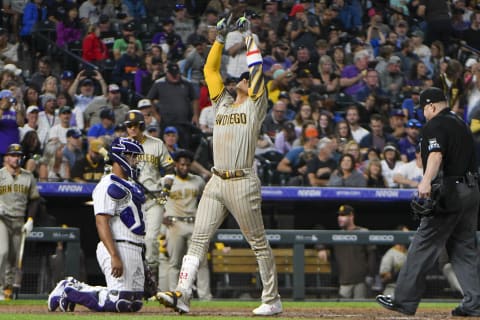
(388, 303)
(269, 309)
(66, 305)
(460, 312)
(55, 296)
(174, 300)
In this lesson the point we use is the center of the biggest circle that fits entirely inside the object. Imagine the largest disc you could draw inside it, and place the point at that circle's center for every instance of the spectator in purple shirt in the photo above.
(351, 79)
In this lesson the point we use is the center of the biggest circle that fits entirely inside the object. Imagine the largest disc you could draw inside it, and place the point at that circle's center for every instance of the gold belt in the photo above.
(229, 174)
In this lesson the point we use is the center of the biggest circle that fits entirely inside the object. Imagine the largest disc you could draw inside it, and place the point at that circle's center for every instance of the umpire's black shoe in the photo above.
(388, 303)
(460, 312)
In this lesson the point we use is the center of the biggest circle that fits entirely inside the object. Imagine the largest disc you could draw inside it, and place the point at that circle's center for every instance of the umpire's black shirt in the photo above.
(448, 134)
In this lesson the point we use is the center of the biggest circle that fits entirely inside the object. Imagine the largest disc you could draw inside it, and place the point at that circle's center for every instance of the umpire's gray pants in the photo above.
(457, 232)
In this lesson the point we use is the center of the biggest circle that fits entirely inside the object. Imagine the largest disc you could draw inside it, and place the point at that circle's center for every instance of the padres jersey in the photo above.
(128, 222)
(156, 155)
(16, 191)
(184, 195)
(236, 127)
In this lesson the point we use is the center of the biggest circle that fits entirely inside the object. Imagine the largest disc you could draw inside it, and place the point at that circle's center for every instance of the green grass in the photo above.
(223, 306)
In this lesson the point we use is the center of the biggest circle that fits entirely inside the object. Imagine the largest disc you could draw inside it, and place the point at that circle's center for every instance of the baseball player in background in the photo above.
(155, 161)
(179, 218)
(18, 195)
(234, 187)
(117, 203)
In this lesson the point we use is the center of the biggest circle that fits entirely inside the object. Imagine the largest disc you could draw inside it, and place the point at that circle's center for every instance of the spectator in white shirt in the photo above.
(410, 173)
(390, 163)
(59, 131)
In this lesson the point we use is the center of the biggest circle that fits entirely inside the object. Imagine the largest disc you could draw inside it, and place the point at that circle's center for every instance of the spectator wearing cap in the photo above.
(346, 175)
(184, 25)
(401, 29)
(126, 66)
(90, 168)
(69, 28)
(136, 8)
(305, 81)
(8, 51)
(279, 56)
(170, 137)
(305, 28)
(86, 94)
(420, 49)
(105, 128)
(280, 82)
(32, 121)
(305, 60)
(377, 138)
(107, 34)
(356, 264)
(351, 79)
(168, 35)
(274, 120)
(408, 144)
(66, 80)
(235, 48)
(47, 118)
(176, 102)
(390, 163)
(73, 149)
(409, 174)
(396, 123)
(194, 62)
(294, 163)
(392, 79)
(54, 167)
(10, 121)
(321, 167)
(59, 131)
(128, 36)
(111, 101)
(89, 12)
(152, 118)
(93, 49)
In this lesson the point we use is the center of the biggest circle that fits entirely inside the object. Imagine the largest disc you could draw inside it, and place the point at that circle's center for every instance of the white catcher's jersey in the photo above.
(123, 201)
(236, 131)
(155, 156)
(184, 195)
(15, 192)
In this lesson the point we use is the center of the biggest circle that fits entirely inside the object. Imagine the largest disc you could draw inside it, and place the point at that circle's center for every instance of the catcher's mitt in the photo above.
(422, 207)
(150, 284)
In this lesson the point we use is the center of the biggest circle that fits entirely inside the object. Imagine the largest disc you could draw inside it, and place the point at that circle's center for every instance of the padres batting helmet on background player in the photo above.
(119, 150)
(15, 148)
(135, 117)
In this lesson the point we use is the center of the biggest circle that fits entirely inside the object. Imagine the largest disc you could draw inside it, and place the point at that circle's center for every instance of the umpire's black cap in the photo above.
(15, 148)
(431, 95)
(182, 153)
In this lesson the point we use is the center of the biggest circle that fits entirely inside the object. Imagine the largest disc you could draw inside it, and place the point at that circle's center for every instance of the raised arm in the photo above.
(256, 83)
(213, 78)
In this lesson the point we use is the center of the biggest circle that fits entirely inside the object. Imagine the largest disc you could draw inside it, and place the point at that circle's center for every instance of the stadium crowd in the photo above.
(344, 77)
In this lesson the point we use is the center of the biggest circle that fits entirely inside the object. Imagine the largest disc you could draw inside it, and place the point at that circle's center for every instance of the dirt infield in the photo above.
(243, 312)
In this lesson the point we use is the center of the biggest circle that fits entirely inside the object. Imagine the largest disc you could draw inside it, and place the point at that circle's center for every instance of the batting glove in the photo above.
(223, 27)
(243, 25)
(28, 226)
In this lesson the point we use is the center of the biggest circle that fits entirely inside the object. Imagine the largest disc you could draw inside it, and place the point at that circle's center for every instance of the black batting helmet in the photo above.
(135, 117)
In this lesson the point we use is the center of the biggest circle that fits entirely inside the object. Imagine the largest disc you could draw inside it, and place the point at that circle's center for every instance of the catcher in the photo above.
(447, 204)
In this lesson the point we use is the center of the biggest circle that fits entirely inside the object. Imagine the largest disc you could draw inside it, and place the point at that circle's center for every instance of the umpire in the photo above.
(450, 182)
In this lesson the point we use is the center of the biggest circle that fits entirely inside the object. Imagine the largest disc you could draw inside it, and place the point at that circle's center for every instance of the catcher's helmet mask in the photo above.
(121, 152)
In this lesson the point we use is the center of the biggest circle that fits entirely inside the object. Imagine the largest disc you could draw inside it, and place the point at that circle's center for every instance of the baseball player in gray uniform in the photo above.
(234, 187)
(180, 211)
(18, 195)
(155, 160)
(117, 204)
